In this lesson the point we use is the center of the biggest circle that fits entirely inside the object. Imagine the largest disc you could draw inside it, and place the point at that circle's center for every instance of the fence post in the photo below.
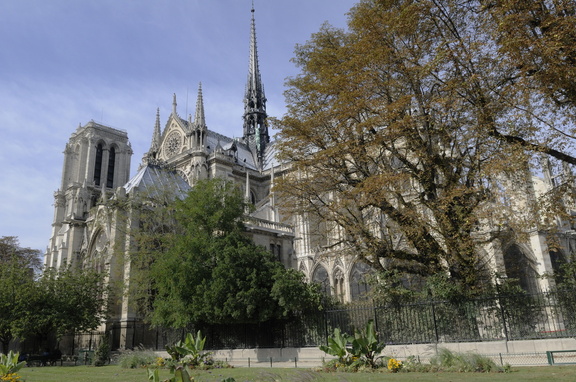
(375, 319)
(502, 313)
(326, 328)
(434, 321)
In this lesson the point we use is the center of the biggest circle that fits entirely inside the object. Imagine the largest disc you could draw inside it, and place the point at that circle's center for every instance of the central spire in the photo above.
(255, 126)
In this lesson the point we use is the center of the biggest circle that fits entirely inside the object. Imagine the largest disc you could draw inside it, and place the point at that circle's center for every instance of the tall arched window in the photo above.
(558, 261)
(320, 276)
(111, 163)
(520, 267)
(358, 286)
(339, 285)
(98, 165)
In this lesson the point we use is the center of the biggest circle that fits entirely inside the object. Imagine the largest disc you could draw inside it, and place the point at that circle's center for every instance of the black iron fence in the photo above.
(506, 317)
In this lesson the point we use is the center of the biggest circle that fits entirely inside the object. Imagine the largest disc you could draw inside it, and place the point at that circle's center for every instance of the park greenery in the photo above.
(410, 135)
(9, 367)
(197, 264)
(115, 373)
(185, 356)
(355, 351)
(52, 303)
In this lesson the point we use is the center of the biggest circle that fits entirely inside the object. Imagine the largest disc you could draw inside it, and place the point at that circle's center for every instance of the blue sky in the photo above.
(66, 62)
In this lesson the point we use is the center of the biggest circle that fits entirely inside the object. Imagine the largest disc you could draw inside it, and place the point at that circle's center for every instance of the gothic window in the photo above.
(521, 268)
(276, 250)
(339, 285)
(320, 276)
(558, 260)
(98, 165)
(358, 286)
(111, 163)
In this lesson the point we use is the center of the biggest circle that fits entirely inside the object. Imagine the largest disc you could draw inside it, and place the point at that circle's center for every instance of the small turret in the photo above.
(174, 104)
(151, 155)
(199, 126)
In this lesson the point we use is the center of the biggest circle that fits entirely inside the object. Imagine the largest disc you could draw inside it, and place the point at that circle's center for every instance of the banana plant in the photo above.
(9, 363)
(191, 347)
(337, 345)
(365, 344)
(180, 375)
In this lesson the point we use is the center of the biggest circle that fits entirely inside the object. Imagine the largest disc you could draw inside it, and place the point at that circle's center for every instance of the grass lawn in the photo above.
(115, 373)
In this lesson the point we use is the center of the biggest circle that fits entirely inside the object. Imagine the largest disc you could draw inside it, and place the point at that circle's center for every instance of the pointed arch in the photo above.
(98, 163)
(320, 276)
(522, 267)
(111, 167)
(339, 290)
(359, 287)
(558, 260)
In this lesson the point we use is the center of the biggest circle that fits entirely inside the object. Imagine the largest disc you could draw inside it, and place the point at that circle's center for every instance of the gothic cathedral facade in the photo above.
(85, 232)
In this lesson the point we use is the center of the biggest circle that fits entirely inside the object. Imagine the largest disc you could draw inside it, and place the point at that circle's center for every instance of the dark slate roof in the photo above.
(154, 179)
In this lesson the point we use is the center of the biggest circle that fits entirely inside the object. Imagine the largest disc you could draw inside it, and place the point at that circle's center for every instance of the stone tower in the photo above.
(96, 159)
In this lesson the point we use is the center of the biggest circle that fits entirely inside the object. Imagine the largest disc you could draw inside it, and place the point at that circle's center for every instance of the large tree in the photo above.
(64, 301)
(18, 268)
(35, 304)
(212, 272)
(410, 137)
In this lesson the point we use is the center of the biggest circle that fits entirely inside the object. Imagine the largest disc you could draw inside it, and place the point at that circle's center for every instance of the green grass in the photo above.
(116, 373)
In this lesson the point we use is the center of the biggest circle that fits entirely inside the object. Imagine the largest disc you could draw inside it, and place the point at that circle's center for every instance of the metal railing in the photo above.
(504, 317)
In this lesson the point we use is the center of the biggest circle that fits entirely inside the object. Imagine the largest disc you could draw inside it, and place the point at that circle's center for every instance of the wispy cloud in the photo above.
(63, 63)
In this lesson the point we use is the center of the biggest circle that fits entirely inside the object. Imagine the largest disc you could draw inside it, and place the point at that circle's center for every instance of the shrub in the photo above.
(102, 353)
(137, 358)
(463, 362)
(364, 350)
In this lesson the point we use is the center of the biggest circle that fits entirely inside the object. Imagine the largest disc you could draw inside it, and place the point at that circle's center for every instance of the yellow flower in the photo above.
(12, 377)
(394, 365)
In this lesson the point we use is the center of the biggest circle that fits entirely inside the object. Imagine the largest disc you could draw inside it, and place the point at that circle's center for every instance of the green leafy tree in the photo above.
(410, 138)
(18, 267)
(212, 272)
(63, 301)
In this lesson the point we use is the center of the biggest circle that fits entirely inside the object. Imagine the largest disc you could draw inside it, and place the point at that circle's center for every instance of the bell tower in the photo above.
(96, 159)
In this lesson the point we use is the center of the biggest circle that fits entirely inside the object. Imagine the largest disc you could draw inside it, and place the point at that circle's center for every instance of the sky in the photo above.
(67, 62)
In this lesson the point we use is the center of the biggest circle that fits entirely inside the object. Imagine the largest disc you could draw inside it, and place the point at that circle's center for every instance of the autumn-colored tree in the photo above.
(411, 139)
(536, 38)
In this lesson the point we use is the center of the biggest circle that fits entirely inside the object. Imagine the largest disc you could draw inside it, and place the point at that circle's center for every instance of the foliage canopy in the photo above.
(212, 272)
(54, 302)
(411, 134)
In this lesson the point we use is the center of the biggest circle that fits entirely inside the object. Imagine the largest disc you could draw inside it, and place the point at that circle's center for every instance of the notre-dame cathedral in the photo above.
(97, 167)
